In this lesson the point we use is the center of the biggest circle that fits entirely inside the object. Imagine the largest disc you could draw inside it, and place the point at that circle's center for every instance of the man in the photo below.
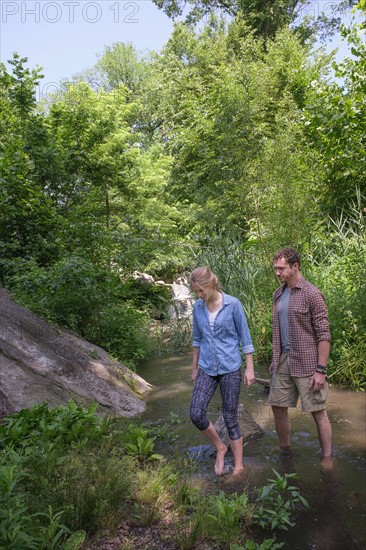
(301, 342)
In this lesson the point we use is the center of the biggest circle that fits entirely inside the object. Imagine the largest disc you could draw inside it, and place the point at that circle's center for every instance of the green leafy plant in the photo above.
(174, 418)
(21, 529)
(277, 502)
(59, 459)
(351, 367)
(188, 494)
(90, 487)
(53, 533)
(52, 428)
(138, 443)
(16, 523)
(75, 541)
(266, 544)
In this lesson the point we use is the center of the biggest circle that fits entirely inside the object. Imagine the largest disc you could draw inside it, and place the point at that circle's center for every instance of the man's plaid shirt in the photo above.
(308, 325)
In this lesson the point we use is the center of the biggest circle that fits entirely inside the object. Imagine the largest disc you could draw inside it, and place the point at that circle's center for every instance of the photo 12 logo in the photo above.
(317, 9)
(70, 11)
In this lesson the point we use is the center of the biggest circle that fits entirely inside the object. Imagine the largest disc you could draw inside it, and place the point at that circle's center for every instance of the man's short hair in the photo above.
(289, 254)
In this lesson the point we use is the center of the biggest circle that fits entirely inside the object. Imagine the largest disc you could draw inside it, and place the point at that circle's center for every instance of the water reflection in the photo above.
(336, 495)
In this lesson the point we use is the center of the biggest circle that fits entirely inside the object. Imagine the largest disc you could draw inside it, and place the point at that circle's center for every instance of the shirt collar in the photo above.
(225, 300)
(280, 290)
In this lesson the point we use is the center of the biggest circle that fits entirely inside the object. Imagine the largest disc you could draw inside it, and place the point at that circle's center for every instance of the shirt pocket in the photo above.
(229, 328)
(301, 310)
(301, 316)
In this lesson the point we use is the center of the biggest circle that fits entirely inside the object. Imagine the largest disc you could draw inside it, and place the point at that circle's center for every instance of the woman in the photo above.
(219, 328)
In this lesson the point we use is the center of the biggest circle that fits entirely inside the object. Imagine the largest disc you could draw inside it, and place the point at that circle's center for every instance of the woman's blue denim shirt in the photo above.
(220, 347)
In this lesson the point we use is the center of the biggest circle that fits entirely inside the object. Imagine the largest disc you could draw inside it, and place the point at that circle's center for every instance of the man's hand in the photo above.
(317, 381)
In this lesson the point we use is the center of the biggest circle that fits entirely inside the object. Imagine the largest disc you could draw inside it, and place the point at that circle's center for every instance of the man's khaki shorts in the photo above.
(285, 389)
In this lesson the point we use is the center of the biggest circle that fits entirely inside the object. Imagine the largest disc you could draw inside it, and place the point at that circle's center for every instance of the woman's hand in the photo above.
(194, 373)
(249, 377)
(195, 358)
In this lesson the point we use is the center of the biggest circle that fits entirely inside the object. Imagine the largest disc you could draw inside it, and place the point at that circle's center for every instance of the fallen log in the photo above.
(263, 381)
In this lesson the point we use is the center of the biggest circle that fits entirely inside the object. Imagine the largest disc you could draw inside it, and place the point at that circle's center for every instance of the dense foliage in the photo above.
(66, 474)
(230, 143)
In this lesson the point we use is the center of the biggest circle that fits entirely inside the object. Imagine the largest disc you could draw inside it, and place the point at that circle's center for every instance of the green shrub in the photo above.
(153, 491)
(19, 528)
(277, 502)
(188, 532)
(68, 292)
(154, 299)
(338, 267)
(122, 331)
(65, 472)
(58, 427)
(66, 461)
(136, 441)
(350, 368)
(91, 301)
(16, 530)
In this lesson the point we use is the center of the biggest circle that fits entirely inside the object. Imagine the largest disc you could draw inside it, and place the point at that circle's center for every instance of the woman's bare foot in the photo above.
(238, 471)
(219, 464)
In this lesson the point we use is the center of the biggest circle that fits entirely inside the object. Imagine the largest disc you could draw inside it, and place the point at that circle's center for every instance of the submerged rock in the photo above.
(201, 453)
(248, 426)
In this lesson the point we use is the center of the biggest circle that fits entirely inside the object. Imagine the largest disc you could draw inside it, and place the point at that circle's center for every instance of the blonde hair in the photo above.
(203, 276)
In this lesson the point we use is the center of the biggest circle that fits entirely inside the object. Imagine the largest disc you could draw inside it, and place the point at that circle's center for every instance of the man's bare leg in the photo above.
(283, 426)
(324, 432)
(237, 450)
(221, 448)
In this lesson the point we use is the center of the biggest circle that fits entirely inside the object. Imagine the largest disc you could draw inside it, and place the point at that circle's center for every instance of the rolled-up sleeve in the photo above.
(197, 335)
(243, 329)
(319, 315)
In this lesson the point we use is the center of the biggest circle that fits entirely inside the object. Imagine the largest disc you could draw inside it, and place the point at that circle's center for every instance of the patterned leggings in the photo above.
(204, 389)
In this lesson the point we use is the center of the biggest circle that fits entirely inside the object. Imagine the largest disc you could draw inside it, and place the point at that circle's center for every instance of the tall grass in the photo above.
(337, 265)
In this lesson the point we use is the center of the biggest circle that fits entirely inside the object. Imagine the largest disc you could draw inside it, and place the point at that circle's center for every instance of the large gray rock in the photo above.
(248, 426)
(40, 363)
(181, 306)
(182, 300)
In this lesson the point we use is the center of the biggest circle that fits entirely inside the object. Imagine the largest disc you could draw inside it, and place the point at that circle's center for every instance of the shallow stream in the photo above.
(337, 516)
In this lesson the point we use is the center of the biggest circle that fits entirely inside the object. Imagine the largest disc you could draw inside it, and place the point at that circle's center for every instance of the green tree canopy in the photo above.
(26, 213)
(264, 17)
(335, 117)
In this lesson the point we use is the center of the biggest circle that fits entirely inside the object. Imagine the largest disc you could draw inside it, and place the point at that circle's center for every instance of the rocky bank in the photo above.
(41, 363)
